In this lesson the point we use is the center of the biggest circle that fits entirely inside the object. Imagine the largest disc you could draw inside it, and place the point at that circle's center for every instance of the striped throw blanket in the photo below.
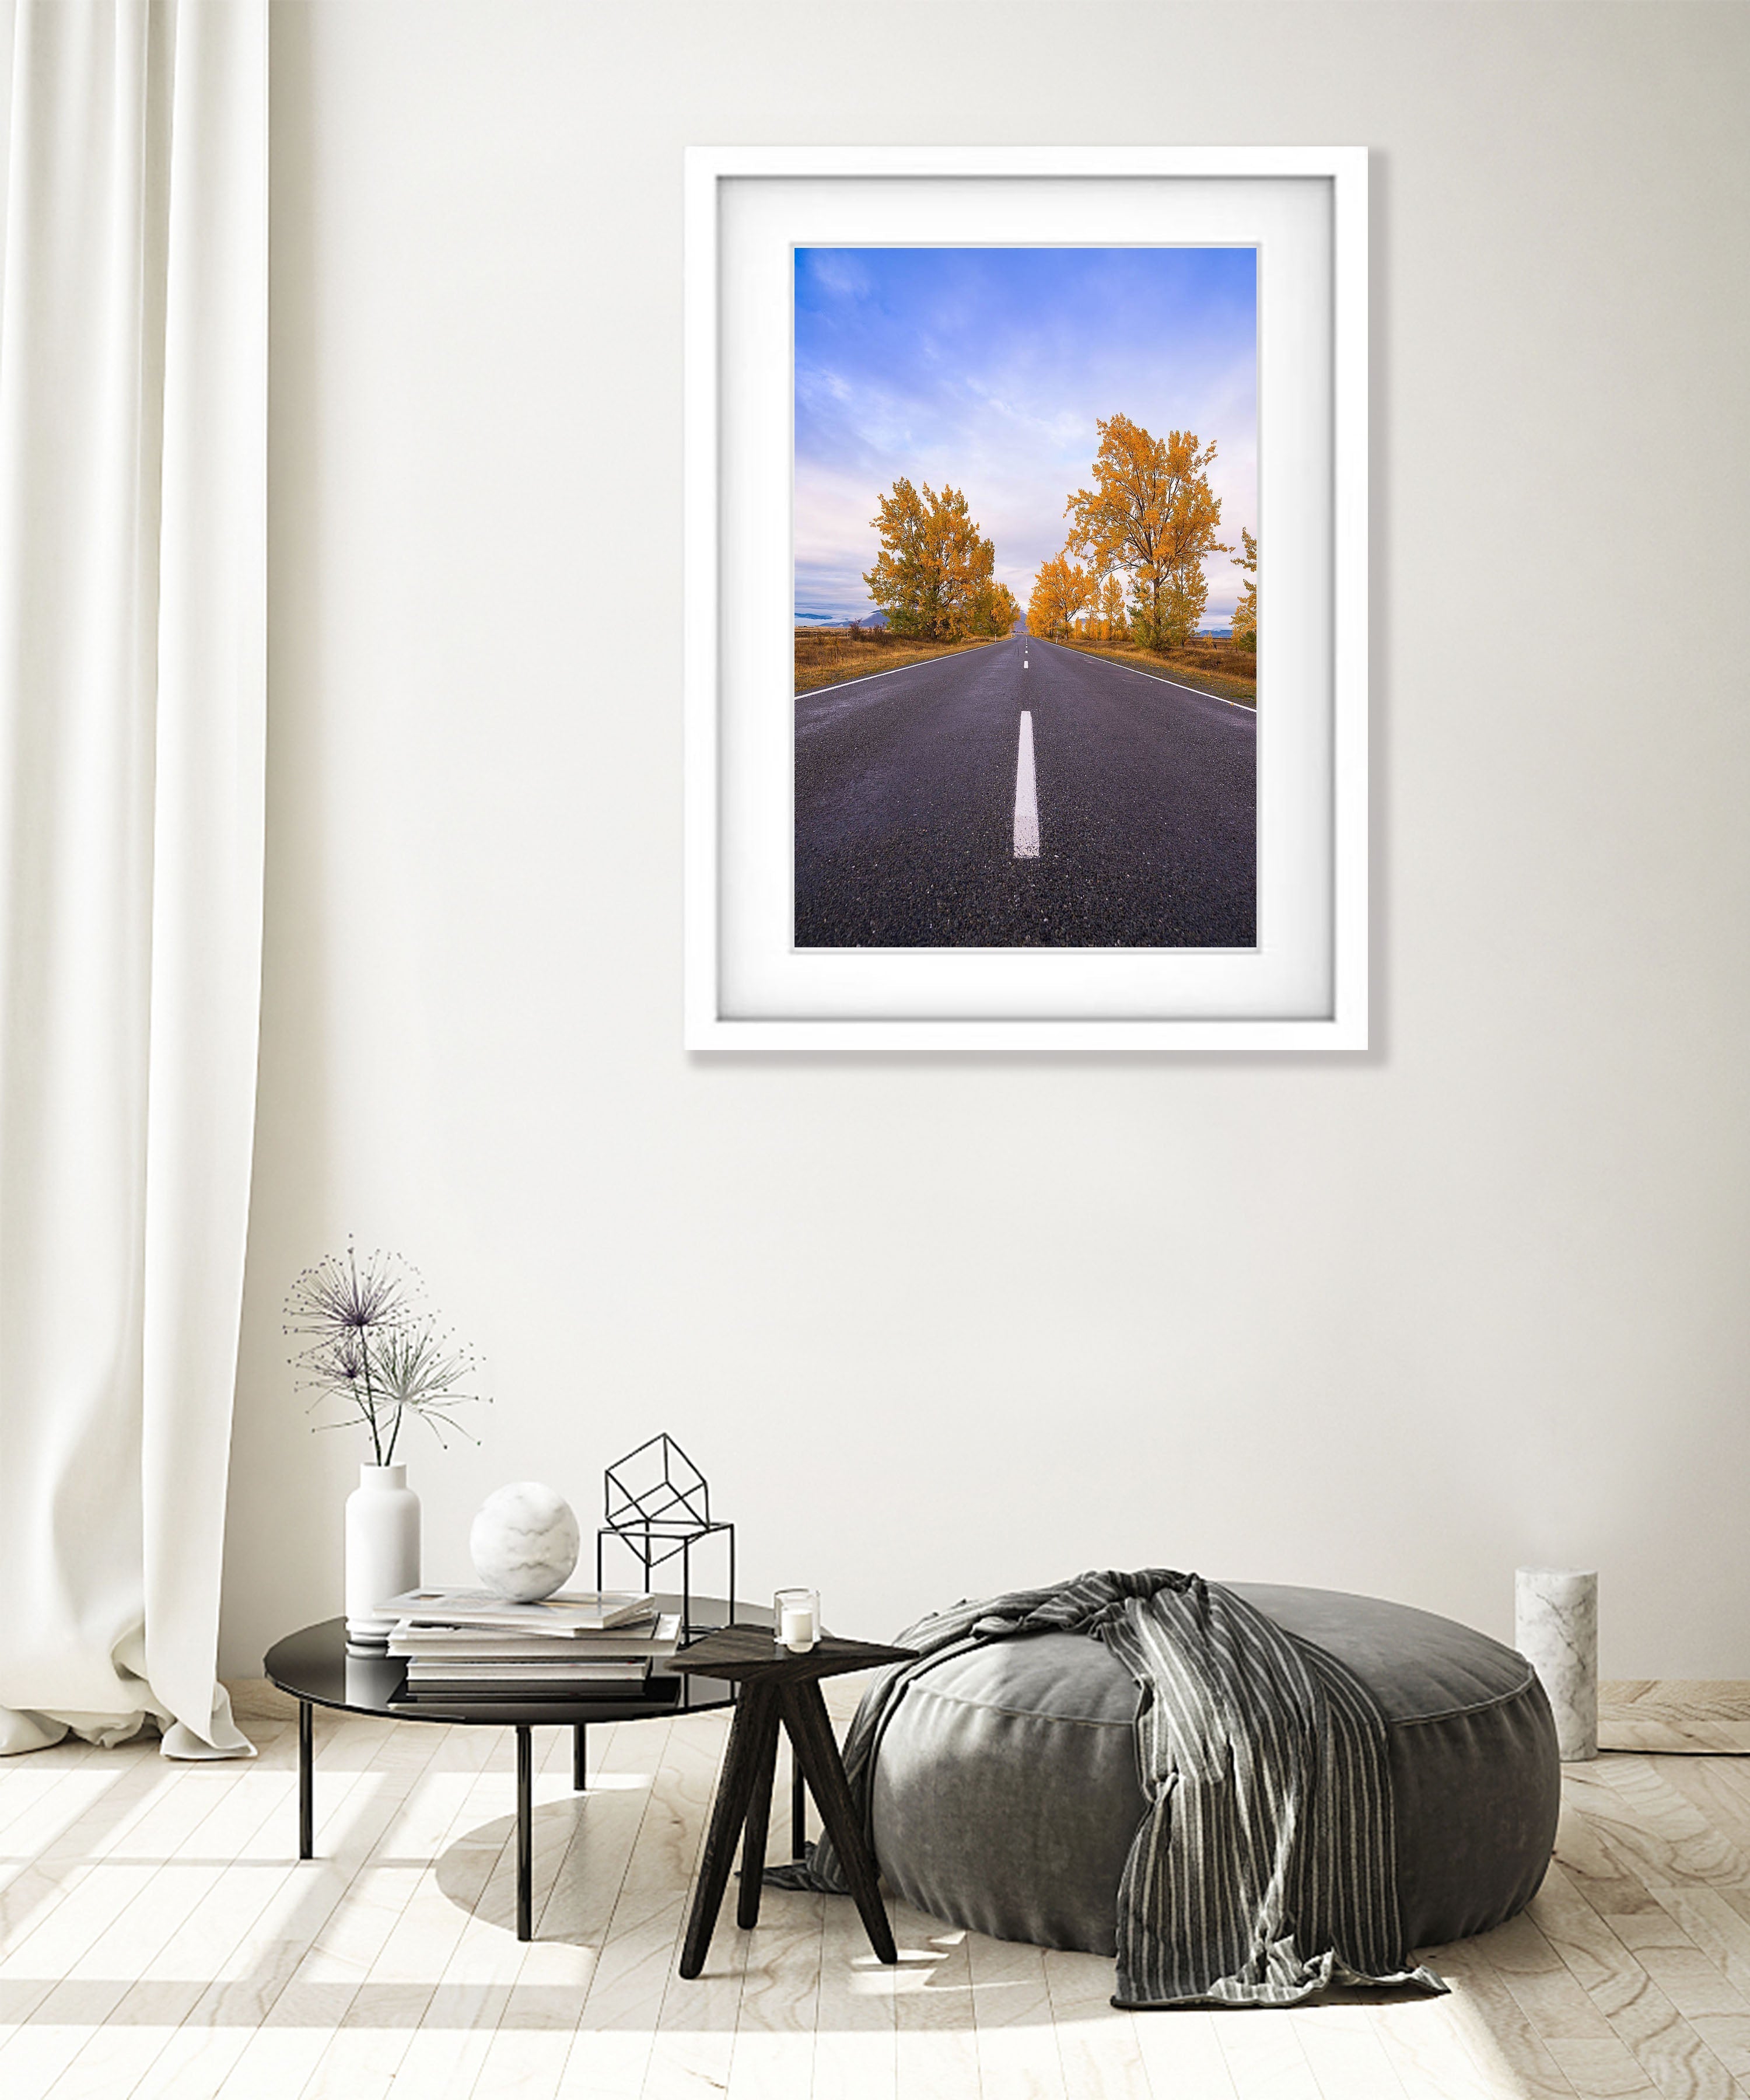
(1265, 1867)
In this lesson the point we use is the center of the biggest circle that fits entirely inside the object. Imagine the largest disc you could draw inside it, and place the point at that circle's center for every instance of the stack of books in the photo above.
(469, 1647)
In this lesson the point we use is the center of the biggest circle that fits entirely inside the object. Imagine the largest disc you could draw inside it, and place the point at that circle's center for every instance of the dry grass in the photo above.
(1218, 656)
(1184, 667)
(829, 655)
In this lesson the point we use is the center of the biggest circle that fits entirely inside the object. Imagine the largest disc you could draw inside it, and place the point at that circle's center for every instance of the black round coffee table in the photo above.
(313, 1667)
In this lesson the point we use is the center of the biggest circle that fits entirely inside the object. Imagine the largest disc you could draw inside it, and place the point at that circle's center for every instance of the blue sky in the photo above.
(987, 367)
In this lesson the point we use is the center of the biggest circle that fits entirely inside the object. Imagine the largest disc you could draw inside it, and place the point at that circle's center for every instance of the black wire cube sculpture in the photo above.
(657, 1504)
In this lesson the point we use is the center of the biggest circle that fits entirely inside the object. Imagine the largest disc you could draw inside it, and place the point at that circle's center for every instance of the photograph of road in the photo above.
(1026, 574)
(1024, 795)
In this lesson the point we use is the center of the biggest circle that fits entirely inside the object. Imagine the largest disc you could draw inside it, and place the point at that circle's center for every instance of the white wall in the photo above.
(939, 1326)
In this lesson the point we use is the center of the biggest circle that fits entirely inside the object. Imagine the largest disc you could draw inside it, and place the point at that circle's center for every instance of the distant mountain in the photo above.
(819, 615)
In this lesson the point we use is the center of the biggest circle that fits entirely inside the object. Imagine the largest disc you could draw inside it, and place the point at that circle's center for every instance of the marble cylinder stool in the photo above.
(1556, 1629)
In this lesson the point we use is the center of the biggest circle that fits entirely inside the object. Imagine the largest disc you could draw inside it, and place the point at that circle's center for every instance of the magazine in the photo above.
(568, 1612)
(423, 1672)
(645, 1637)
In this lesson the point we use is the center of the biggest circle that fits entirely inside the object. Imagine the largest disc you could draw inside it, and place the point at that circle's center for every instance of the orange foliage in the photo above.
(1062, 589)
(1151, 513)
(932, 577)
(1245, 612)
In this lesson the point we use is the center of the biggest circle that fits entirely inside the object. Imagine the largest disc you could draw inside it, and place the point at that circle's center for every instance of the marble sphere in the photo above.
(524, 1541)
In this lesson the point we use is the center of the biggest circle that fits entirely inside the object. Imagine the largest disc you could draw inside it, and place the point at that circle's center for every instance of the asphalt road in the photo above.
(908, 834)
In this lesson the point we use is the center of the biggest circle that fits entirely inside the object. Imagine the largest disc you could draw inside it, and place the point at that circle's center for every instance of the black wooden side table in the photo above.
(776, 1686)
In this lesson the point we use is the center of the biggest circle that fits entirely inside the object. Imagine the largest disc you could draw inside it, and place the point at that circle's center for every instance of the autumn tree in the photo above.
(1061, 590)
(932, 577)
(995, 610)
(1177, 614)
(1245, 612)
(1152, 515)
(1113, 625)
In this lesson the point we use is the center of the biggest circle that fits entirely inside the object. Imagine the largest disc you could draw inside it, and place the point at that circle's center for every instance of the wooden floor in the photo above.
(159, 1937)
(1674, 1714)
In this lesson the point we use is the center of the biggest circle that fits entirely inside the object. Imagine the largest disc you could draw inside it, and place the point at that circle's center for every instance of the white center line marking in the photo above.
(1026, 796)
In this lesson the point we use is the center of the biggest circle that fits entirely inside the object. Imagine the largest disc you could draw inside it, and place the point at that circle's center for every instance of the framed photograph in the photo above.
(1026, 598)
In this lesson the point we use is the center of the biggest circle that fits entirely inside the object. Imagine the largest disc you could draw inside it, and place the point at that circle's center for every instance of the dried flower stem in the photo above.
(372, 1345)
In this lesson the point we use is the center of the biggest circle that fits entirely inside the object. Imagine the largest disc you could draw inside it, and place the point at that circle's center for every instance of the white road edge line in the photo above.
(1026, 795)
(869, 676)
(1155, 678)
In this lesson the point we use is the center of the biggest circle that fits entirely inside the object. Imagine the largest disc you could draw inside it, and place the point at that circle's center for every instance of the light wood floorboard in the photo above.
(1674, 1714)
(160, 1940)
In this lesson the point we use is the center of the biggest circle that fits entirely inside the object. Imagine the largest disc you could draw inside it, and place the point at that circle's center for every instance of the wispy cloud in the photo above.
(988, 368)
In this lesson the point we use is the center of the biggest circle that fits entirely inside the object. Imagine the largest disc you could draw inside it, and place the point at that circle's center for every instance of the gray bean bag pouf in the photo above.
(1005, 1795)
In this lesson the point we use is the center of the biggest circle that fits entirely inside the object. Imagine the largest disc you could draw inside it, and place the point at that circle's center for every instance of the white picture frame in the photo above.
(1305, 987)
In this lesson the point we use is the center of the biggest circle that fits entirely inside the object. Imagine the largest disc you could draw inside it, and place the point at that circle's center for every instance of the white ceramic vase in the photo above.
(382, 1550)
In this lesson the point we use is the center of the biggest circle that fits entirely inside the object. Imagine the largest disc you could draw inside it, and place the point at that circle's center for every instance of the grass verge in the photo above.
(831, 658)
(1217, 683)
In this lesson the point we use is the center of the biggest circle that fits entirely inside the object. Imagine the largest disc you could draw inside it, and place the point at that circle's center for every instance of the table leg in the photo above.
(798, 1809)
(306, 1782)
(805, 1713)
(764, 1755)
(525, 1834)
(728, 1813)
(579, 1756)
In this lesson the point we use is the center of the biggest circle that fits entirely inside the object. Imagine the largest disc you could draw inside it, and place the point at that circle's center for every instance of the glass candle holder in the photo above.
(796, 1619)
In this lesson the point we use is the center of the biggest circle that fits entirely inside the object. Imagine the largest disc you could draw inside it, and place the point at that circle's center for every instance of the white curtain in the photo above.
(132, 450)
